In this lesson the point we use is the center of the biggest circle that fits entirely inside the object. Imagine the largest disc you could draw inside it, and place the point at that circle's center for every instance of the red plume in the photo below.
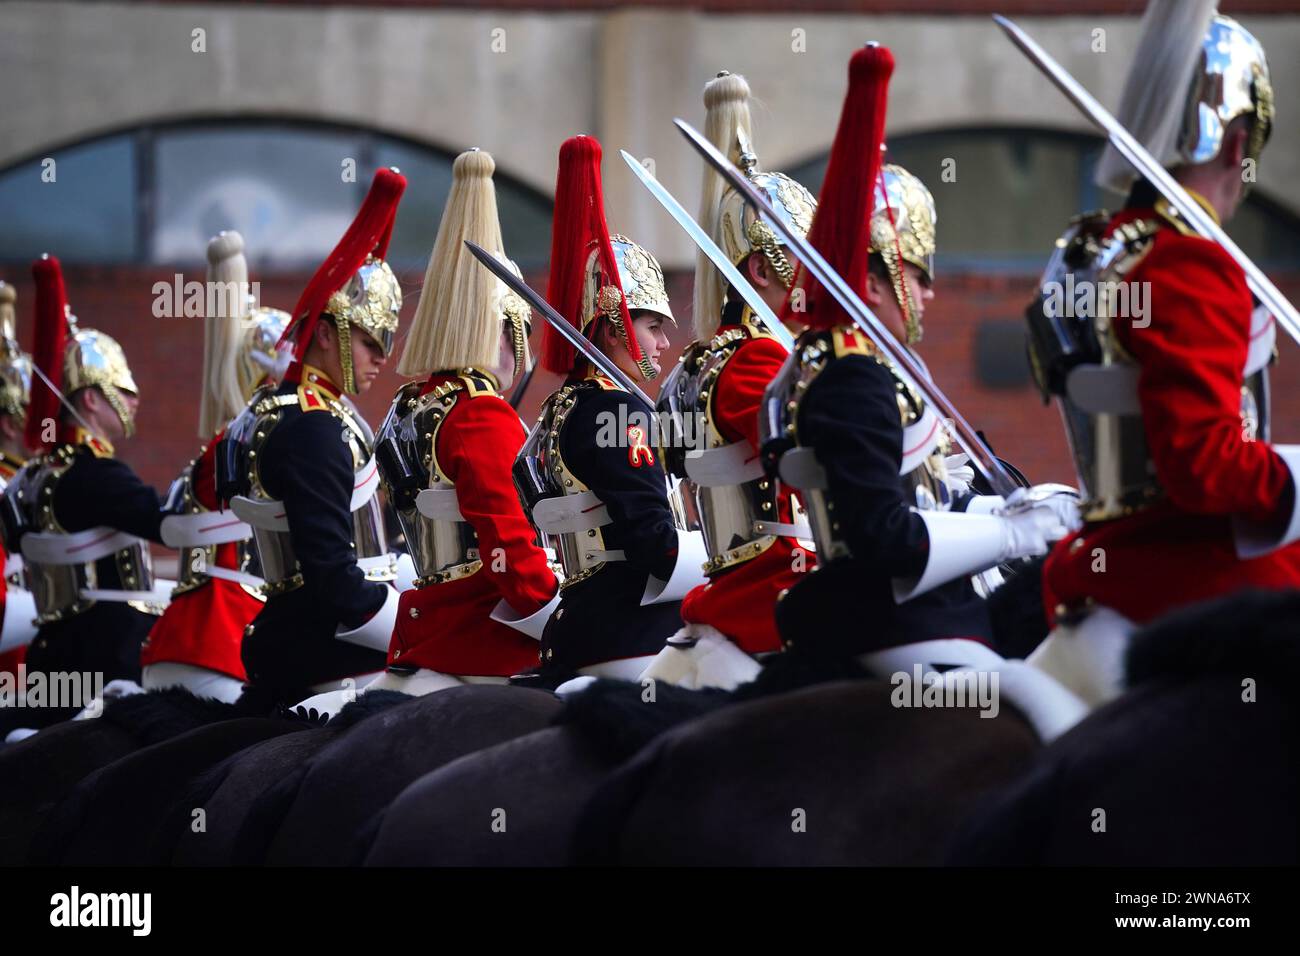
(51, 339)
(369, 233)
(841, 227)
(578, 223)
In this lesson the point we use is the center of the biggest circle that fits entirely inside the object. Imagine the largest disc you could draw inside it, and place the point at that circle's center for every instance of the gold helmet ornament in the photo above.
(15, 364)
(354, 286)
(595, 277)
(239, 337)
(640, 287)
(903, 223)
(1194, 72)
(463, 307)
(71, 359)
(724, 213)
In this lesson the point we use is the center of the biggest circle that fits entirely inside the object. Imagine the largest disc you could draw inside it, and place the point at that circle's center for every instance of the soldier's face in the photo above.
(368, 359)
(765, 281)
(648, 327)
(884, 301)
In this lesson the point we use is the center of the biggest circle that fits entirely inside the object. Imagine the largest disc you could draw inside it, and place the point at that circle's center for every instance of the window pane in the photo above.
(88, 213)
(283, 189)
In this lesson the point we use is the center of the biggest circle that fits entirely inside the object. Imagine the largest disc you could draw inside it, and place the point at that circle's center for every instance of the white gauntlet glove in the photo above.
(1061, 500)
(960, 473)
(1027, 533)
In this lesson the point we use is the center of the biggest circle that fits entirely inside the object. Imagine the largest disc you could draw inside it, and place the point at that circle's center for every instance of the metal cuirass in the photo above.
(735, 501)
(443, 545)
(57, 587)
(1077, 358)
(925, 441)
(561, 507)
(239, 468)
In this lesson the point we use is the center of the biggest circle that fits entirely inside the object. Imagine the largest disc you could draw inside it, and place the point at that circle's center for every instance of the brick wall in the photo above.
(166, 354)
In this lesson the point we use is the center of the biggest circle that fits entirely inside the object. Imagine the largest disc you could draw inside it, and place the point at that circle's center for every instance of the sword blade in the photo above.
(710, 248)
(571, 335)
(908, 368)
(1141, 160)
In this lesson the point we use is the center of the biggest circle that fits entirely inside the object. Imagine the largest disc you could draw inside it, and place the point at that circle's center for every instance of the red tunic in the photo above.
(204, 627)
(452, 630)
(739, 600)
(1180, 550)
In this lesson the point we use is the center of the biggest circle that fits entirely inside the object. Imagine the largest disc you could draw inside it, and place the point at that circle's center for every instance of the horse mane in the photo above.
(162, 714)
(1251, 633)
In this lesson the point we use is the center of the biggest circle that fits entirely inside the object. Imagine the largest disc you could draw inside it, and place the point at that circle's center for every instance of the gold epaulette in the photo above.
(849, 340)
(312, 398)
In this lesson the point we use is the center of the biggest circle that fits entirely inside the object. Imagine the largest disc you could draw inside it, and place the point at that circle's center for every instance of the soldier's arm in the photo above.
(1189, 386)
(740, 388)
(477, 454)
(850, 416)
(625, 475)
(309, 468)
(105, 491)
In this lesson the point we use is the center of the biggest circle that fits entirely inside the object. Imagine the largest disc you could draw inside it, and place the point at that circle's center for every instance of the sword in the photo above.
(571, 335)
(1146, 164)
(710, 248)
(905, 364)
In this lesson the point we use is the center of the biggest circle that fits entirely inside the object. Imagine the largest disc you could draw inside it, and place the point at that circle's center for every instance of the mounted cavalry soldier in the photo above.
(589, 472)
(196, 643)
(19, 614)
(298, 466)
(1166, 411)
(867, 451)
(81, 518)
(747, 518)
(484, 588)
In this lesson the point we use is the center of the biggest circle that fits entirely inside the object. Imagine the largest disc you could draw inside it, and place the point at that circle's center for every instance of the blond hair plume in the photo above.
(726, 110)
(1153, 104)
(457, 321)
(223, 331)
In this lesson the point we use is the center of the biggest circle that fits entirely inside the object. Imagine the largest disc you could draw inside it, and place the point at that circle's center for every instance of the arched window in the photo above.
(156, 194)
(1004, 195)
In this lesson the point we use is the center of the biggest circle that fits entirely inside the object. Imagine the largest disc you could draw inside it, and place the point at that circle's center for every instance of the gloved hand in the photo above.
(960, 473)
(1061, 499)
(1027, 533)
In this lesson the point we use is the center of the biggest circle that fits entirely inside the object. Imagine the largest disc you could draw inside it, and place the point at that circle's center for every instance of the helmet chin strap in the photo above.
(119, 406)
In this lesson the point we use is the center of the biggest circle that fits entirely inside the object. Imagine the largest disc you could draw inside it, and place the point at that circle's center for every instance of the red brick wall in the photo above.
(166, 357)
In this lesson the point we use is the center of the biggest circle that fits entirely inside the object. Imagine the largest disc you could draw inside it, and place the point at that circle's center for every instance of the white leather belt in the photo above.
(80, 547)
(566, 514)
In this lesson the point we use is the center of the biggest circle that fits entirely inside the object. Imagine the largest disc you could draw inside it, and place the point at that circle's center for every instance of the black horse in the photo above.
(1195, 765)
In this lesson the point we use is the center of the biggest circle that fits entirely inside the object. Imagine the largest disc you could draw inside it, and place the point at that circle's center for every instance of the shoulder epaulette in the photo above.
(1171, 216)
(310, 398)
(478, 383)
(99, 448)
(849, 340)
